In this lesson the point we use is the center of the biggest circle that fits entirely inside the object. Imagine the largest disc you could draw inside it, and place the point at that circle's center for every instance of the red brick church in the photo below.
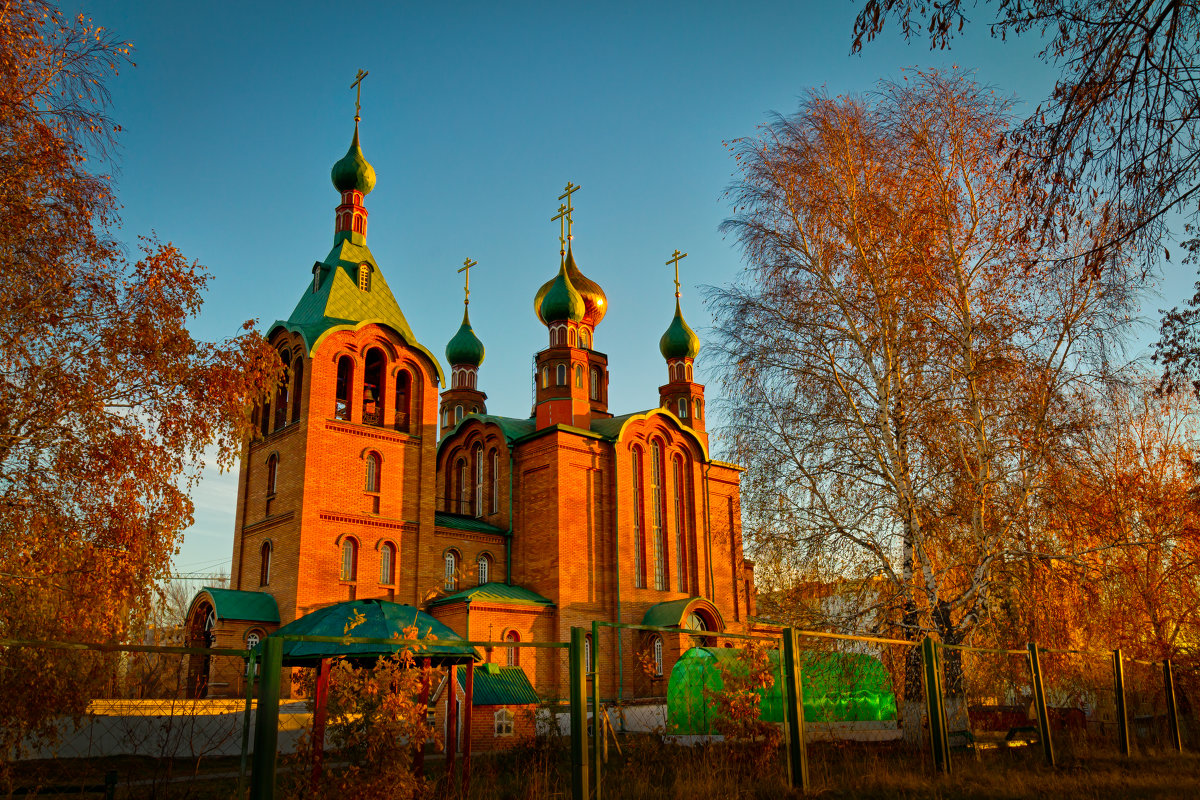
(373, 478)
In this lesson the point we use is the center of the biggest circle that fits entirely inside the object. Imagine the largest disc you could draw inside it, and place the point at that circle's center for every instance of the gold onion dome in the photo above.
(680, 341)
(562, 300)
(465, 347)
(594, 300)
(352, 171)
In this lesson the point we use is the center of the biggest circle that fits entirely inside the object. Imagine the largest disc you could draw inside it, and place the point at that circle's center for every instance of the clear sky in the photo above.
(474, 115)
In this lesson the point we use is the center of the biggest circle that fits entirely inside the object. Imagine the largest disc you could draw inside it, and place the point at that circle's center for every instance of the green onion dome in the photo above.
(562, 300)
(679, 341)
(594, 300)
(465, 347)
(352, 172)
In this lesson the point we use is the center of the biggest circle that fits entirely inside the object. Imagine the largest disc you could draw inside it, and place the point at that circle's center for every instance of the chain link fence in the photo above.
(123, 721)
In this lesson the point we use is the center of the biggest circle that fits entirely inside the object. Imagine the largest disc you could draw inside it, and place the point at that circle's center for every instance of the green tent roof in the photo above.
(500, 686)
(458, 522)
(338, 303)
(247, 606)
(382, 620)
(495, 593)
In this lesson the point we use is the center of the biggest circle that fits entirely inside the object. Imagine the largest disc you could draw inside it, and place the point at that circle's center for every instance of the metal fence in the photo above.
(122, 721)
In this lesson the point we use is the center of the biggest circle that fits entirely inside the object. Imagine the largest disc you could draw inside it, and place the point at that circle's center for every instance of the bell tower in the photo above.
(464, 353)
(681, 395)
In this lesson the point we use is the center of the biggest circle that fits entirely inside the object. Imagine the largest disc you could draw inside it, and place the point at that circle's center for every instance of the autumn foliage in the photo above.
(107, 403)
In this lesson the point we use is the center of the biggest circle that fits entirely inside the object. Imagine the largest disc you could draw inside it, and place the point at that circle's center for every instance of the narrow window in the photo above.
(584, 338)
(698, 404)
(656, 494)
(483, 565)
(345, 379)
(281, 394)
(495, 493)
(403, 387)
(683, 408)
(364, 275)
(504, 722)
(349, 559)
(689, 371)
(681, 558)
(658, 655)
(578, 376)
(264, 564)
(477, 499)
(451, 582)
(595, 383)
(265, 419)
(639, 573)
(374, 462)
(571, 338)
(458, 414)
(545, 380)
(387, 561)
(587, 653)
(464, 488)
(562, 375)
(372, 391)
(272, 472)
(513, 653)
(297, 387)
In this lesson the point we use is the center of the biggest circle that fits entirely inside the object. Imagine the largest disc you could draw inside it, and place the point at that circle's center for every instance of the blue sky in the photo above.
(474, 117)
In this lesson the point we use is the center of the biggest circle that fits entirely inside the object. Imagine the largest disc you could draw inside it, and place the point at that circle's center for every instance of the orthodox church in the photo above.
(372, 477)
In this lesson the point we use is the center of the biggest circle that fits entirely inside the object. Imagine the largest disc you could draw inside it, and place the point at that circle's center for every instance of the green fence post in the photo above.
(1172, 709)
(597, 726)
(578, 676)
(1039, 702)
(938, 739)
(794, 713)
(250, 662)
(1119, 702)
(266, 725)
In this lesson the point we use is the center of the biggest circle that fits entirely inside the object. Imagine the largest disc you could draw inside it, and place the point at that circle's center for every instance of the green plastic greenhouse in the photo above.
(836, 687)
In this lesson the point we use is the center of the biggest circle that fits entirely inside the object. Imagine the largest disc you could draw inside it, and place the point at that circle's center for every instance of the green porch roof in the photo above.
(458, 522)
(495, 593)
(248, 606)
(338, 303)
(667, 614)
(499, 686)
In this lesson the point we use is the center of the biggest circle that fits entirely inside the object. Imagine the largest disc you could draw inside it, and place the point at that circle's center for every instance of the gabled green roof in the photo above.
(500, 686)
(444, 519)
(248, 606)
(513, 429)
(495, 593)
(339, 304)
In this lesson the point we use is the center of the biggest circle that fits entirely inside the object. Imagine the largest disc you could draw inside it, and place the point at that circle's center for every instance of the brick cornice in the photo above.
(268, 523)
(274, 437)
(368, 521)
(372, 432)
(470, 536)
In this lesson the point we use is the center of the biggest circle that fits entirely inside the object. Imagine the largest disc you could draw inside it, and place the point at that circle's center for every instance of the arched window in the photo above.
(252, 640)
(387, 564)
(349, 559)
(681, 556)
(570, 338)
(374, 467)
(503, 719)
(584, 338)
(483, 564)
(372, 391)
(545, 376)
(595, 383)
(458, 414)
(657, 647)
(345, 379)
(695, 622)
(281, 394)
(364, 277)
(265, 418)
(495, 476)
(683, 408)
(272, 473)
(639, 572)
(477, 494)
(264, 564)
(297, 387)
(578, 376)
(513, 654)
(698, 404)
(562, 375)
(464, 489)
(451, 576)
(403, 389)
(656, 494)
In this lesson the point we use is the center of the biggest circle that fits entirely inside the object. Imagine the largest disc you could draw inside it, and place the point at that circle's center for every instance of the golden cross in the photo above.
(569, 190)
(674, 259)
(561, 216)
(358, 94)
(466, 269)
